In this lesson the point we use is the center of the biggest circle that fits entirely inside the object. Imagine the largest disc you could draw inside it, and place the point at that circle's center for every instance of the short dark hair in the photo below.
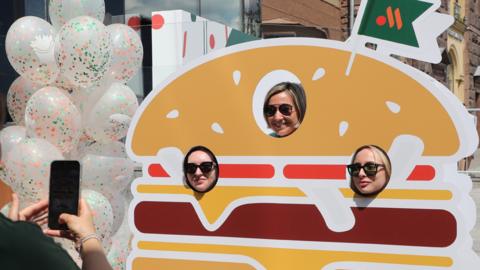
(212, 156)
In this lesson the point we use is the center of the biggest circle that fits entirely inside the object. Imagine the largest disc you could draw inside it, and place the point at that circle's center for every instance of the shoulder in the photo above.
(20, 238)
(273, 134)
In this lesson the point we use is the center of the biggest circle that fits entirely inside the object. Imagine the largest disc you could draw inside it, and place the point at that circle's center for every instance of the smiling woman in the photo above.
(200, 167)
(284, 108)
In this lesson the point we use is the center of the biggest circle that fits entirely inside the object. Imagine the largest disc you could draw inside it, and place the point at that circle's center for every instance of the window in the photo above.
(243, 15)
(456, 10)
(145, 7)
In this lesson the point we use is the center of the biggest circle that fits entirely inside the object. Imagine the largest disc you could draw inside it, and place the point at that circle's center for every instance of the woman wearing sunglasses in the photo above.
(200, 167)
(370, 170)
(284, 108)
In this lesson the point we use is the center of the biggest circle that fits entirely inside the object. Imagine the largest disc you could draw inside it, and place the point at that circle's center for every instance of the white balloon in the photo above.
(27, 167)
(112, 149)
(110, 117)
(51, 115)
(77, 95)
(30, 49)
(78, 152)
(119, 208)
(121, 247)
(127, 51)
(104, 174)
(18, 95)
(102, 214)
(61, 11)
(83, 51)
(63, 83)
(5, 209)
(10, 137)
(87, 97)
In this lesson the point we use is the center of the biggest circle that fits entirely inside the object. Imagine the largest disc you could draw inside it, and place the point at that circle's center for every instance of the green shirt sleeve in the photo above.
(24, 246)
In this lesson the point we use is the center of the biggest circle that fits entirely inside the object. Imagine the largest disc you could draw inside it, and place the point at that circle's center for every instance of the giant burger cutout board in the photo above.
(285, 203)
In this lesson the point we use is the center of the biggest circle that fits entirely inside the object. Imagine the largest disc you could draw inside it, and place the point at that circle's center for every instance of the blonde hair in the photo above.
(382, 156)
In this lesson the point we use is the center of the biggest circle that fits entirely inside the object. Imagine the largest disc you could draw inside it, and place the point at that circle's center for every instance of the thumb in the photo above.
(66, 218)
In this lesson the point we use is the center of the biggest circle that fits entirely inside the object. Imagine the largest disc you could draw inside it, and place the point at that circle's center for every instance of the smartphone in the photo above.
(64, 191)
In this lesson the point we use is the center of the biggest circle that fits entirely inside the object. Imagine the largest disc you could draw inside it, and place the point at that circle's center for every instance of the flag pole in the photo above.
(352, 57)
(350, 63)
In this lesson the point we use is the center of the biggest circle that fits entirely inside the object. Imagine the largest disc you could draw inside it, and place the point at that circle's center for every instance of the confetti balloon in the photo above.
(121, 247)
(30, 49)
(102, 214)
(89, 96)
(63, 83)
(110, 116)
(51, 115)
(127, 52)
(83, 51)
(61, 11)
(119, 208)
(10, 137)
(79, 151)
(77, 95)
(18, 95)
(27, 168)
(112, 149)
(117, 256)
(104, 174)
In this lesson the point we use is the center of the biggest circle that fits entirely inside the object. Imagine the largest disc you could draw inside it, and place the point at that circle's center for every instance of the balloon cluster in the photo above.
(71, 102)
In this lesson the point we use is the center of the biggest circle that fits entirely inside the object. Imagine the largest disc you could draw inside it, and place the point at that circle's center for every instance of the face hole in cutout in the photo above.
(200, 168)
(369, 170)
(279, 103)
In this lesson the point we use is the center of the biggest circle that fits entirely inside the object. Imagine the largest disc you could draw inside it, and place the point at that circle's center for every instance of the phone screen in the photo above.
(64, 189)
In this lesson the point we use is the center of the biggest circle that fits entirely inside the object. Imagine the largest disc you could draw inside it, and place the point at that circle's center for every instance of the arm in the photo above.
(21, 235)
(81, 227)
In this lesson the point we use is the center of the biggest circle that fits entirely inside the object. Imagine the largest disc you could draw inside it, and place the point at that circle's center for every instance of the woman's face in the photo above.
(200, 180)
(369, 184)
(281, 123)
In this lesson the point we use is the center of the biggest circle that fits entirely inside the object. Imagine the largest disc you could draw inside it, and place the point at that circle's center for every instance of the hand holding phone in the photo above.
(64, 191)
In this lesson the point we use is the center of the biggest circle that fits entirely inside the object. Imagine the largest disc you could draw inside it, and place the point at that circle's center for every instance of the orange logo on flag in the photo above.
(392, 17)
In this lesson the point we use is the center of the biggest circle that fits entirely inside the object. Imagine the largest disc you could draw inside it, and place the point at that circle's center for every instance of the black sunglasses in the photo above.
(369, 168)
(205, 167)
(285, 109)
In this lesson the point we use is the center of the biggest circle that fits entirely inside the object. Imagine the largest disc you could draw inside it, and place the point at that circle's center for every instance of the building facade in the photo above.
(456, 46)
(302, 18)
(331, 19)
(472, 52)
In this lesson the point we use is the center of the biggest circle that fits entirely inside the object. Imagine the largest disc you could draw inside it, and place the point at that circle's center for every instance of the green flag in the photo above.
(392, 20)
(237, 37)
